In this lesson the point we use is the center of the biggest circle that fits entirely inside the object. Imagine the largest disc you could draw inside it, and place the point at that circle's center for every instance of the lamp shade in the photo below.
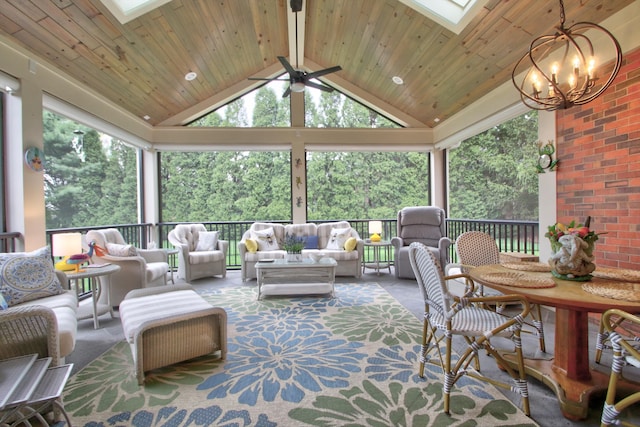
(375, 227)
(64, 244)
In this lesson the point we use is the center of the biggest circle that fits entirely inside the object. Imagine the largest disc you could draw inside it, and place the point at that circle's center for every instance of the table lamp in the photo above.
(64, 245)
(375, 228)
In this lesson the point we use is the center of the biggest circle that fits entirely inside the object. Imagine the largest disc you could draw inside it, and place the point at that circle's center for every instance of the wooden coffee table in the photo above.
(306, 277)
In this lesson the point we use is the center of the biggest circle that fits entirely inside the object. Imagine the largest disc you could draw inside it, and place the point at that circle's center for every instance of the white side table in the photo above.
(96, 308)
(377, 264)
(171, 255)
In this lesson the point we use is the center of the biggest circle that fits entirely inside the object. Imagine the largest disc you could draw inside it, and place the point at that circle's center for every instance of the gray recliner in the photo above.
(424, 224)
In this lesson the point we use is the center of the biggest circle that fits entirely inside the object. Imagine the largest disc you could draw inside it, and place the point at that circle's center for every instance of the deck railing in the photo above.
(516, 236)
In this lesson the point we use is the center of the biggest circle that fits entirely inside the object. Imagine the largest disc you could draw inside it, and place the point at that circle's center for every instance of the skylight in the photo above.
(451, 14)
(127, 10)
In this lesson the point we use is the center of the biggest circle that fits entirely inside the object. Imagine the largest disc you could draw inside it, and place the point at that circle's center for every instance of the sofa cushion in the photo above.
(205, 257)
(27, 276)
(266, 239)
(338, 237)
(117, 249)
(350, 244)
(424, 215)
(207, 241)
(135, 312)
(311, 242)
(66, 299)
(67, 329)
(252, 245)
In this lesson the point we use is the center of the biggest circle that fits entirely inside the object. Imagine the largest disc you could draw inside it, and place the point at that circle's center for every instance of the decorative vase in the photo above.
(294, 257)
(572, 258)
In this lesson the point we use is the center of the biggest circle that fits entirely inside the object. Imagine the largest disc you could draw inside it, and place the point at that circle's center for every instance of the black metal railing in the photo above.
(511, 236)
(516, 236)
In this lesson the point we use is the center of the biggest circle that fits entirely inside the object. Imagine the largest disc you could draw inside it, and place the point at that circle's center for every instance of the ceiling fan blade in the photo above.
(318, 86)
(287, 66)
(287, 92)
(269, 80)
(323, 72)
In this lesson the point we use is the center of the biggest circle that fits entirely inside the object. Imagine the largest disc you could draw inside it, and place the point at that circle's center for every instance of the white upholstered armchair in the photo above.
(200, 252)
(423, 224)
(139, 268)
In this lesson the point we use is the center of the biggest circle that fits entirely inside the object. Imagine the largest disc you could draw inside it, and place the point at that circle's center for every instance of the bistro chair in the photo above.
(446, 315)
(625, 354)
(476, 248)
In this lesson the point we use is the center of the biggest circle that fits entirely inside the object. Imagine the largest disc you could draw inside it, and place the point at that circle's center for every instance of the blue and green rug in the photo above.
(307, 361)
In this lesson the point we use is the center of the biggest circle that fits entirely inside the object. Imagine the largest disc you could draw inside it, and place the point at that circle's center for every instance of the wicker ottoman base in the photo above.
(171, 324)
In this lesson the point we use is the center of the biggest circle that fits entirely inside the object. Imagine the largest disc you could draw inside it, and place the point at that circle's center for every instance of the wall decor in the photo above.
(34, 158)
(545, 157)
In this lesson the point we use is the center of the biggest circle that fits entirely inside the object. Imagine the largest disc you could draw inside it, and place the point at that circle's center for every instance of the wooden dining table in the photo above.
(569, 373)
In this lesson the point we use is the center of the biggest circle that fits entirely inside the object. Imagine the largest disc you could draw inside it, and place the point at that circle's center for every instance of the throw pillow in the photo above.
(311, 242)
(116, 249)
(338, 237)
(266, 239)
(207, 241)
(252, 245)
(26, 276)
(350, 244)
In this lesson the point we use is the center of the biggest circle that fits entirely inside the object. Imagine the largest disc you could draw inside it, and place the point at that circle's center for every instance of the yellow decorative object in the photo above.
(63, 266)
(375, 228)
(350, 244)
(252, 245)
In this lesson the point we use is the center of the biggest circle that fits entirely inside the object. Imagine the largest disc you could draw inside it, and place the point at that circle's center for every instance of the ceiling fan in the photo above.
(299, 79)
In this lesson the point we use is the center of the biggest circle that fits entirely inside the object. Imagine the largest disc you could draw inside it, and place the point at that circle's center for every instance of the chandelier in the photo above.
(560, 70)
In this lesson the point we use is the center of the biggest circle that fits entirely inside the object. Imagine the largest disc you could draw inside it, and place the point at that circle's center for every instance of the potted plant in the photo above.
(293, 245)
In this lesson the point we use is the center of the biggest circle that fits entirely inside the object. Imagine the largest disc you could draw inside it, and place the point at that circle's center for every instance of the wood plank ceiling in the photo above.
(141, 65)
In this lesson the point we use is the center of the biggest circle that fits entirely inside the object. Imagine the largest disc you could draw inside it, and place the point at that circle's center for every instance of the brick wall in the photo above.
(598, 146)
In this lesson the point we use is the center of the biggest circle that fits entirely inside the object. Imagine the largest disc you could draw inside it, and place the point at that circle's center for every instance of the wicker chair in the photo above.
(446, 315)
(146, 268)
(616, 323)
(29, 329)
(475, 248)
(194, 263)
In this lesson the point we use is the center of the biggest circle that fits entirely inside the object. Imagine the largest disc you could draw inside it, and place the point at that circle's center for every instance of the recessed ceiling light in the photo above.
(397, 80)
(437, 120)
(190, 76)
(146, 117)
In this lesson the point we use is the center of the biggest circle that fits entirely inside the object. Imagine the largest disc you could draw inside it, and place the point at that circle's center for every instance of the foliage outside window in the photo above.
(357, 185)
(225, 186)
(493, 175)
(89, 179)
(265, 107)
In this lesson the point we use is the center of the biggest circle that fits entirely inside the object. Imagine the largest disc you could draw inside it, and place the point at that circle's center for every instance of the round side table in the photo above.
(377, 264)
(97, 308)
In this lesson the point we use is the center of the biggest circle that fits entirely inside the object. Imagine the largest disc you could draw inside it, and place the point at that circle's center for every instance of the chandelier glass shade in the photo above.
(561, 70)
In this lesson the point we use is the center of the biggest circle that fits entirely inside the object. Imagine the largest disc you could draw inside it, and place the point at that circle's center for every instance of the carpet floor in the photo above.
(346, 361)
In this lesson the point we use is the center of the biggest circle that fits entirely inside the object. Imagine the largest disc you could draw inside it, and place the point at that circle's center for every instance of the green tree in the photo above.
(493, 175)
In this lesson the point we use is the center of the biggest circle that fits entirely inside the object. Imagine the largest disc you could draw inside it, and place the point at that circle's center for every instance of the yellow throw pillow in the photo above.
(252, 245)
(350, 244)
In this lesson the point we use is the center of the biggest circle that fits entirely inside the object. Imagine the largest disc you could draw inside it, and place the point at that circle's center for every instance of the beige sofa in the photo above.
(349, 262)
(45, 325)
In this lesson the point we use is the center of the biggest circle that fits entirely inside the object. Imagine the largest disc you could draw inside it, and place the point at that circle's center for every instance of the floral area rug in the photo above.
(351, 360)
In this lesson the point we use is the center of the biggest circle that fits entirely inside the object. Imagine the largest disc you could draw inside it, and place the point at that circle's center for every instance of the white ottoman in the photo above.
(170, 324)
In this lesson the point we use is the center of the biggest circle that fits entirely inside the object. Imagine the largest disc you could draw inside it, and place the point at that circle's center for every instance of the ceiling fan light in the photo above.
(297, 87)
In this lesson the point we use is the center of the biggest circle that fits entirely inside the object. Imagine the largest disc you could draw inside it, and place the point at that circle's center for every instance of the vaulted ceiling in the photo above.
(140, 65)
